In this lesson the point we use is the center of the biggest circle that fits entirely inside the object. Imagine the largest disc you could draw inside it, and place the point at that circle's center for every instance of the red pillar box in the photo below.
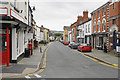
(30, 47)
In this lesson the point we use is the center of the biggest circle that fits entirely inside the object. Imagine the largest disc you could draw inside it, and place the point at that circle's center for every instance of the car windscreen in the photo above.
(86, 45)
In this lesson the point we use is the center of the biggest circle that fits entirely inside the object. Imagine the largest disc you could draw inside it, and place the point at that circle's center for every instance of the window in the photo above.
(86, 28)
(83, 33)
(94, 27)
(98, 27)
(94, 15)
(98, 13)
(113, 21)
(104, 25)
(103, 11)
(89, 28)
(113, 5)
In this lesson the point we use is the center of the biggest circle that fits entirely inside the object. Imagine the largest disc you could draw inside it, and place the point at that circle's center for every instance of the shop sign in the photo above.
(16, 15)
(3, 11)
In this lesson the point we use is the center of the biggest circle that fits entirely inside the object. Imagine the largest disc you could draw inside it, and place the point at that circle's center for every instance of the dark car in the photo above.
(70, 44)
(75, 45)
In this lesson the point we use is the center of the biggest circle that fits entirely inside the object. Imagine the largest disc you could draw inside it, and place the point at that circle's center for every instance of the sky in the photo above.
(55, 14)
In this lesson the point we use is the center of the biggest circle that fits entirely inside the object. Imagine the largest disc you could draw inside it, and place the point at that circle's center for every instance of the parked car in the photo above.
(70, 44)
(66, 42)
(75, 45)
(84, 47)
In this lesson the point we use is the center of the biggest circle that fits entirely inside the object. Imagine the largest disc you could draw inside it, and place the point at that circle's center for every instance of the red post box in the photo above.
(30, 47)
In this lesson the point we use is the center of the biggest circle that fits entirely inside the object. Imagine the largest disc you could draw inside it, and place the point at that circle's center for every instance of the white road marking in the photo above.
(27, 77)
(38, 76)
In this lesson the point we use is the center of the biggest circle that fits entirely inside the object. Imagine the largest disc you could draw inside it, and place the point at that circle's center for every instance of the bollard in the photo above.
(40, 49)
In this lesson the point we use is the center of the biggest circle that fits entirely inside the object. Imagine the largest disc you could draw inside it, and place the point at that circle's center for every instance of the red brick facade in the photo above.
(114, 18)
(99, 26)
(80, 20)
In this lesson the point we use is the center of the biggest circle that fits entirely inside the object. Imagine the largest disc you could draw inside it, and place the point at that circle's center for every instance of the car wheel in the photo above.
(80, 50)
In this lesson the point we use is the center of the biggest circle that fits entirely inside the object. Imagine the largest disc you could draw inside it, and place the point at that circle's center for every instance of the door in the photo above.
(3, 49)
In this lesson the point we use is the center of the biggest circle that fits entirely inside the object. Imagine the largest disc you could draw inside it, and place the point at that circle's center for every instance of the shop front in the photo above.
(5, 46)
(99, 40)
(88, 39)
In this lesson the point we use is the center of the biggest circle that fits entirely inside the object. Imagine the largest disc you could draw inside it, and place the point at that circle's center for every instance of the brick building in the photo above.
(100, 26)
(74, 26)
(114, 24)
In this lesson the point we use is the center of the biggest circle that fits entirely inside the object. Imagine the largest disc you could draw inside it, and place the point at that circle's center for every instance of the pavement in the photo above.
(26, 65)
(106, 57)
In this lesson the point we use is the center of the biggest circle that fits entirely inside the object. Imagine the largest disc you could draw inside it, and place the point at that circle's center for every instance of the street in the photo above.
(63, 62)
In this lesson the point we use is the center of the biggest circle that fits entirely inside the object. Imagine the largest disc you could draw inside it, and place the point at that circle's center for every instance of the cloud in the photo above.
(54, 14)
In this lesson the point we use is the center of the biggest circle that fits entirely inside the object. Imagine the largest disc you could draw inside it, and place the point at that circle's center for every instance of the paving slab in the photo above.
(26, 65)
(107, 57)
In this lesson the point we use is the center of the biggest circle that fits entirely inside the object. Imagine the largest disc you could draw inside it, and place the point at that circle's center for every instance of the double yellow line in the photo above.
(41, 70)
(113, 65)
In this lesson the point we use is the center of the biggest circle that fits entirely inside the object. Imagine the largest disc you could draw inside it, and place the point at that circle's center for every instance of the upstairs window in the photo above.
(98, 13)
(89, 28)
(103, 11)
(86, 28)
(94, 27)
(94, 15)
(104, 25)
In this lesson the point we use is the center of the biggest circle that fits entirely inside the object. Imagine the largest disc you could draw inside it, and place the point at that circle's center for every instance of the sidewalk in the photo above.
(107, 57)
(26, 65)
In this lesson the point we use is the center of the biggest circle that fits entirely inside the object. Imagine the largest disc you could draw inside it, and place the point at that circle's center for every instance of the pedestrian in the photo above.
(105, 48)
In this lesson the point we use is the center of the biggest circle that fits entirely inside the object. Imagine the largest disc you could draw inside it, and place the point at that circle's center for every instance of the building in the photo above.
(74, 32)
(15, 18)
(100, 26)
(74, 26)
(114, 25)
(66, 34)
(85, 31)
(88, 32)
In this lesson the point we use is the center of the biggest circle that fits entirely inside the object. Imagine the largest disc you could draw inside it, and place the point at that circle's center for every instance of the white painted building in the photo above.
(15, 17)
(88, 31)
(81, 34)
(84, 32)
(69, 36)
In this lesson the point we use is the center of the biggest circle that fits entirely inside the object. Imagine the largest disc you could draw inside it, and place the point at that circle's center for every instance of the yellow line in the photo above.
(41, 70)
(115, 65)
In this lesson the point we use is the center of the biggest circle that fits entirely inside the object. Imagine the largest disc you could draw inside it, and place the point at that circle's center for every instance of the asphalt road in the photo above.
(63, 62)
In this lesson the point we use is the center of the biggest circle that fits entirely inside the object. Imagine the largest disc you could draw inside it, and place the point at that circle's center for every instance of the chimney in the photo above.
(80, 18)
(85, 14)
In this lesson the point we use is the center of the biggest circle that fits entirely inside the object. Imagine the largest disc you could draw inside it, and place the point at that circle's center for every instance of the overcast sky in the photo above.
(54, 14)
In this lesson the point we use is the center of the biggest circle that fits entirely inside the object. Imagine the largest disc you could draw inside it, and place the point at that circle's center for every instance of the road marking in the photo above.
(27, 77)
(41, 70)
(113, 65)
(38, 76)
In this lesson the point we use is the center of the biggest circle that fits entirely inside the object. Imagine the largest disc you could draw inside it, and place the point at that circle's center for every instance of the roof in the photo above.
(101, 6)
(84, 22)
